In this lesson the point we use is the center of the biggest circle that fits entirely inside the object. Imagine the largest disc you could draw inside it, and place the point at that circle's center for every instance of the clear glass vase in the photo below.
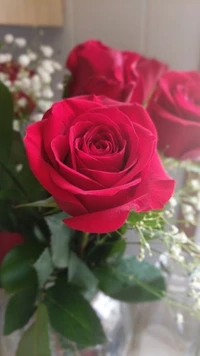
(109, 312)
(163, 328)
(132, 329)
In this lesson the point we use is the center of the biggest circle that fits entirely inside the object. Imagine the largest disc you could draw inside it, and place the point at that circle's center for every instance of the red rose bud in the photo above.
(175, 110)
(121, 75)
(98, 159)
(8, 240)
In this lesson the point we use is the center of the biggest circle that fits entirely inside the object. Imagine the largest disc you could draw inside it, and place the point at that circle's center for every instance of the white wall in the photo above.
(166, 29)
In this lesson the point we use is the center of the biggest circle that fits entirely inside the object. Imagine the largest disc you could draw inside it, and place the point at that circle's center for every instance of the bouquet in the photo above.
(81, 178)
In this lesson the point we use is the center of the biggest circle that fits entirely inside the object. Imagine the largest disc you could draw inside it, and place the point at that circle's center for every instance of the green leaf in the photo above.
(35, 341)
(17, 272)
(19, 310)
(33, 189)
(80, 275)
(46, 203)
(131, 281)
(61, 236)
(44, 267)
(117, 250)
(72, 316)
(7, 114)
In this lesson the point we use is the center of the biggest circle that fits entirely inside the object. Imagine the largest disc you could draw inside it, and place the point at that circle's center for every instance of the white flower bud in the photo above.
(5, 57)
(48, 66)
(3, 77)
(60, 86)
(44, 75)
(44, 105)
(36, 117)
(32, 56)
(24, 60)
(47, 51)
(36, 82)
(25, 83)
(8, 38)
(16, 125)
(57, 65)
(22, 102)
(47, 93)
(181, 237)
(8, 83)
(20, 42)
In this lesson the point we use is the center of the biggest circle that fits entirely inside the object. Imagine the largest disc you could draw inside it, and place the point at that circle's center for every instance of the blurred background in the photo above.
(168, 30)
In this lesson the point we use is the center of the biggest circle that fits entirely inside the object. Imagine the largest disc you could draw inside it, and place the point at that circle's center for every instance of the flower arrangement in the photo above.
(83, 176)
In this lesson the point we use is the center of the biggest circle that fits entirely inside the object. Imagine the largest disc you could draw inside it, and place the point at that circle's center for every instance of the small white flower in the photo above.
(36, 82)
(176, 253)
(175, 230)
(48, 66)
(164, 260)
(16, 125)
(22, 102)
(25, 83)
(57, 65)
(5, 57)
(32, 56)
(187, 209)
(44, 105)
(179, 319)
(44, 75)
(60, 86)
(173, 202)
(20, 42)
(24, 60)
(195, 184)
(181, 237)
(8, 83)
(47, 51)
(47, 93)
(3, 77)
(8, 38)
(36, 117)
(19, 167)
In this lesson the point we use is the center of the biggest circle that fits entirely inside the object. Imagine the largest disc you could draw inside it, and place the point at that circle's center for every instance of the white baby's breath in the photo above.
(24, 60)
(8, 38)
(47, 51)
(20, 42)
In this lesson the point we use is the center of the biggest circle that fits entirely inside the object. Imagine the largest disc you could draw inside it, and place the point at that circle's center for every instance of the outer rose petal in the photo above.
(101, 221)
(156, 188)
(176, 137)
(8, 240)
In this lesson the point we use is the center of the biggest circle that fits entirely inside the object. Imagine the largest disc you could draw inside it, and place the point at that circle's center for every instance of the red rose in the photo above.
(175, 110)
(123, 76)
(98, 159)
(8, 240)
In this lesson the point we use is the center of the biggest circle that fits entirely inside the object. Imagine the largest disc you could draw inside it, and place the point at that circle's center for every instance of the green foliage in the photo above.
(7, 114)
(35, 341)
(132, 281)
(20, 309)
(80, 275)
(104, 248)
(44, 267)
(72, 316)
(61, 236)
(17, 272)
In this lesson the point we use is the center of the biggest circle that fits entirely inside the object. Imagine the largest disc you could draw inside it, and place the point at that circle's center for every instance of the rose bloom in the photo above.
(8, 240)
(120, 75)
(98, 159)
(175, 110)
